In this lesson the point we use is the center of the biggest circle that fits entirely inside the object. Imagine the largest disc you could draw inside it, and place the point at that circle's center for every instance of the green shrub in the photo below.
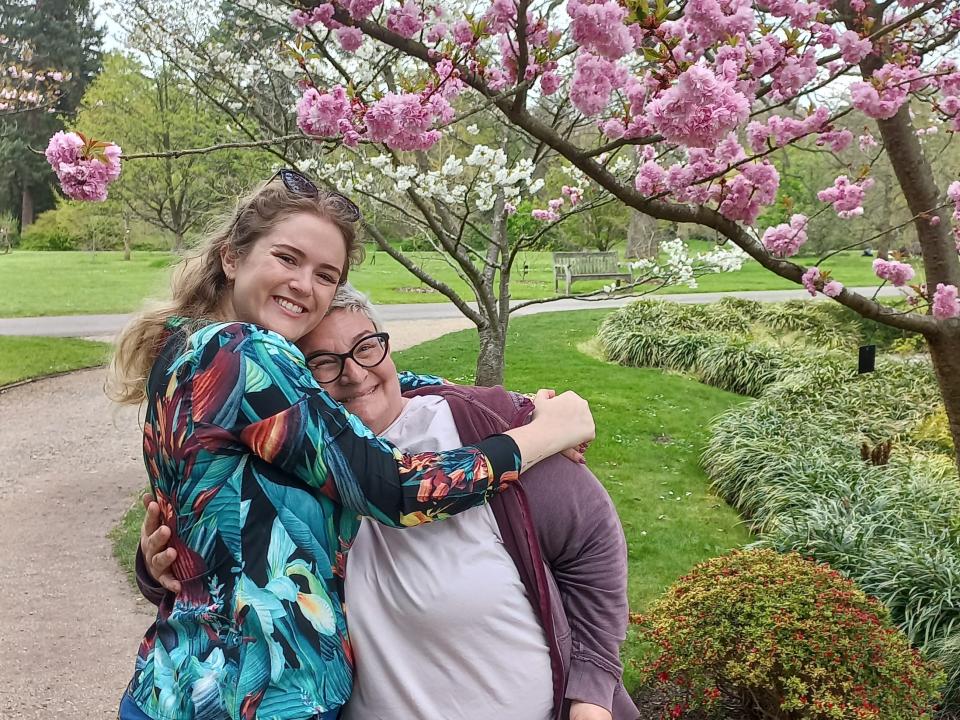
(769, 635)
(49, 232)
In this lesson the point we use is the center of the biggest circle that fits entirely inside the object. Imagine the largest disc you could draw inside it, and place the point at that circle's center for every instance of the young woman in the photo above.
(260, 475)
(529, 601)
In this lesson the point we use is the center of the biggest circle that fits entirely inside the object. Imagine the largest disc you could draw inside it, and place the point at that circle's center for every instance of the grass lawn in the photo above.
(67, 283)
(29, 357)
(651, 427)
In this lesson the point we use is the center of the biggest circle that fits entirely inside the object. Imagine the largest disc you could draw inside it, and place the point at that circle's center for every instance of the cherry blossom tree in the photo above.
(458, 198)
(697, 96)
(702, 93)
(24, 88)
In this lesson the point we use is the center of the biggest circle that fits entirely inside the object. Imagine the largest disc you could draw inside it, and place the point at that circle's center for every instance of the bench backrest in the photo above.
(587, 263)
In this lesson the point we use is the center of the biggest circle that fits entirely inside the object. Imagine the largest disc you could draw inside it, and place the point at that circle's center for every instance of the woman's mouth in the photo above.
(360, 395)
(289, 306)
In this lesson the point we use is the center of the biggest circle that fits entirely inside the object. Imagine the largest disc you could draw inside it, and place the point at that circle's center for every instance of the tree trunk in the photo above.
(126, 237)
(945, 353)
(26, 208)
(490, 359)
(178, 242)
(641, 236)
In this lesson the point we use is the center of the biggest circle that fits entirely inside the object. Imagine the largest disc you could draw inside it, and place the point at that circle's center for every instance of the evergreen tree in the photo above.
(59, 34)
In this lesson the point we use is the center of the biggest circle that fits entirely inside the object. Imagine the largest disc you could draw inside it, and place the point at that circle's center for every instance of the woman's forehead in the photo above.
(337, 332)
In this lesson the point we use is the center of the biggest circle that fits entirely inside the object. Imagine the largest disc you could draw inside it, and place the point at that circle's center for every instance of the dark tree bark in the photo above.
(26, 207)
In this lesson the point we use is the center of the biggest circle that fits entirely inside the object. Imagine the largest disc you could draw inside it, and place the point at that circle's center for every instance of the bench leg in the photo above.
(569, 279)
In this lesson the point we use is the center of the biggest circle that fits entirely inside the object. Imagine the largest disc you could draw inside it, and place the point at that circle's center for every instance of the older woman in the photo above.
(523, 615)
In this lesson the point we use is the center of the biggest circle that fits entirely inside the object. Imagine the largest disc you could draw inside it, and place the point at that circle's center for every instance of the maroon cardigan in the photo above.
(562, 532)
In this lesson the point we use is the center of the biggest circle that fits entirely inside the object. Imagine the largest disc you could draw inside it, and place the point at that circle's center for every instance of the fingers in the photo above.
(544, 394)
(575, 455)
(161, 568)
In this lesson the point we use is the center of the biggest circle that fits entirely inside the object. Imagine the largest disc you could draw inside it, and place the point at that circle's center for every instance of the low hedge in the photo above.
(792, 460)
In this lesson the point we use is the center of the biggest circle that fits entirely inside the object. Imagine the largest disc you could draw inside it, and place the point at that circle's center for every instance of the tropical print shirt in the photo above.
(262, 478)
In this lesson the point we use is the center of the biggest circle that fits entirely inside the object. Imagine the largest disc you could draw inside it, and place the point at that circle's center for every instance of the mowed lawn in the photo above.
(651, 427)
(68, 283)
(29, 357)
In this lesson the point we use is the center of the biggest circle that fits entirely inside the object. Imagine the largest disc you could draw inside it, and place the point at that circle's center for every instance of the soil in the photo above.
(70, 466)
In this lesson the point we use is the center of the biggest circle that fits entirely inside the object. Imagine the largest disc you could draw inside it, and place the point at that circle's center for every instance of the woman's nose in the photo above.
(352, 372)
(300, 280)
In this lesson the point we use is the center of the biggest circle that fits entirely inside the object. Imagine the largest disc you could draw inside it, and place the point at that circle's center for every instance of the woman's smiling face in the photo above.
(285, 283)
(372, 394)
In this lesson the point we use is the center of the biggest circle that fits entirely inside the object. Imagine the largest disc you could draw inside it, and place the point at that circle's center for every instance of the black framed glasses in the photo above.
(299, 184)
(368, 352)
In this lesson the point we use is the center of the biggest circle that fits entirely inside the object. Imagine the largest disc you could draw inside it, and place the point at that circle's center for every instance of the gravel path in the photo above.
(72, 465)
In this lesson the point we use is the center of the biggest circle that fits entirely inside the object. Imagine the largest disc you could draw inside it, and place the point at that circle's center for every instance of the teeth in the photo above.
(287, 305)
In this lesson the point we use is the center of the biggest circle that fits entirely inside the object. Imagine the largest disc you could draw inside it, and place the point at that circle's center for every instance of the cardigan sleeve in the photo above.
(582, 541)
(252, 391)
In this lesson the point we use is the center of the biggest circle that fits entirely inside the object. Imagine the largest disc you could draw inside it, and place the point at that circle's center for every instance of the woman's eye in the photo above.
(325, 277)
(287, 259)
(323, 362)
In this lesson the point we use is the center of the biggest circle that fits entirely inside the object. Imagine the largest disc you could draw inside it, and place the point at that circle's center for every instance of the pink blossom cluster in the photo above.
(886, 92)
(350, 38)
(950, 107)
(84, 169)
(324, 114)
(650, 178)
(699, 110)
(810, 278)
(359, 9)
(866, 141)
(786, 239)
(832, 288)
(405, 121)
(853, 47)
(574, 194)
(789, 77)
(714, 20)
(945, 302)
(845, 196)
(783, 130)
(501, 16)
(598, 27)
(545, 215)
(322, 13)
(594, 79)
(836, 140)
(406, 20)
(749, 192)
(953, 194)
(896, 272)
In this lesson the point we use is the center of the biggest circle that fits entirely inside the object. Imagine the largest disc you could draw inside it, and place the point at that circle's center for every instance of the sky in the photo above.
(114, 33)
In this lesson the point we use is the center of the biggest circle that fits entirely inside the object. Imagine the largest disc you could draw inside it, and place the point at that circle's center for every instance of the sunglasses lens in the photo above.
(298, 184)
(345, 205)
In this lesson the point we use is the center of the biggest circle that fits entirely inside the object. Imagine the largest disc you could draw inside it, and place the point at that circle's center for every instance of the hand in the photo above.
(570, 418)
(588, 711)
(154, 536)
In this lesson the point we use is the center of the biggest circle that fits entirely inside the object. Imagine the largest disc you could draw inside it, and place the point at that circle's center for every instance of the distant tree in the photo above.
(155, 108)
(45, 35)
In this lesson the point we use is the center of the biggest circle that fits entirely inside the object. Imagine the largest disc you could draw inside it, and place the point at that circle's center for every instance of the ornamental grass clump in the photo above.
(761, 635)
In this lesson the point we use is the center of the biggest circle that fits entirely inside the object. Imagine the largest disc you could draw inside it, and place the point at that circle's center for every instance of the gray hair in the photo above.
(348, 297)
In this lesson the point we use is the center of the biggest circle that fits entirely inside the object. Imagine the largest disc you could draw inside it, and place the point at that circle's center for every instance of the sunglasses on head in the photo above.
(299, 184)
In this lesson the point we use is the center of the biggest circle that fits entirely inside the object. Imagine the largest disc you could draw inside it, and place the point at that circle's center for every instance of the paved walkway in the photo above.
(105, 326)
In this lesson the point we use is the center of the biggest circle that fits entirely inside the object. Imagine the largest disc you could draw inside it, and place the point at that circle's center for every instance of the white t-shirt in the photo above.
(439, 619)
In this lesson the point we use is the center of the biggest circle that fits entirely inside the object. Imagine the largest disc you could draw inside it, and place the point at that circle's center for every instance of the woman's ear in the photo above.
(229, 260)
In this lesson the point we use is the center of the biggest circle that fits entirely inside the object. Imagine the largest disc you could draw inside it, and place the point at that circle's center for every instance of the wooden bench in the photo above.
(573, 266)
